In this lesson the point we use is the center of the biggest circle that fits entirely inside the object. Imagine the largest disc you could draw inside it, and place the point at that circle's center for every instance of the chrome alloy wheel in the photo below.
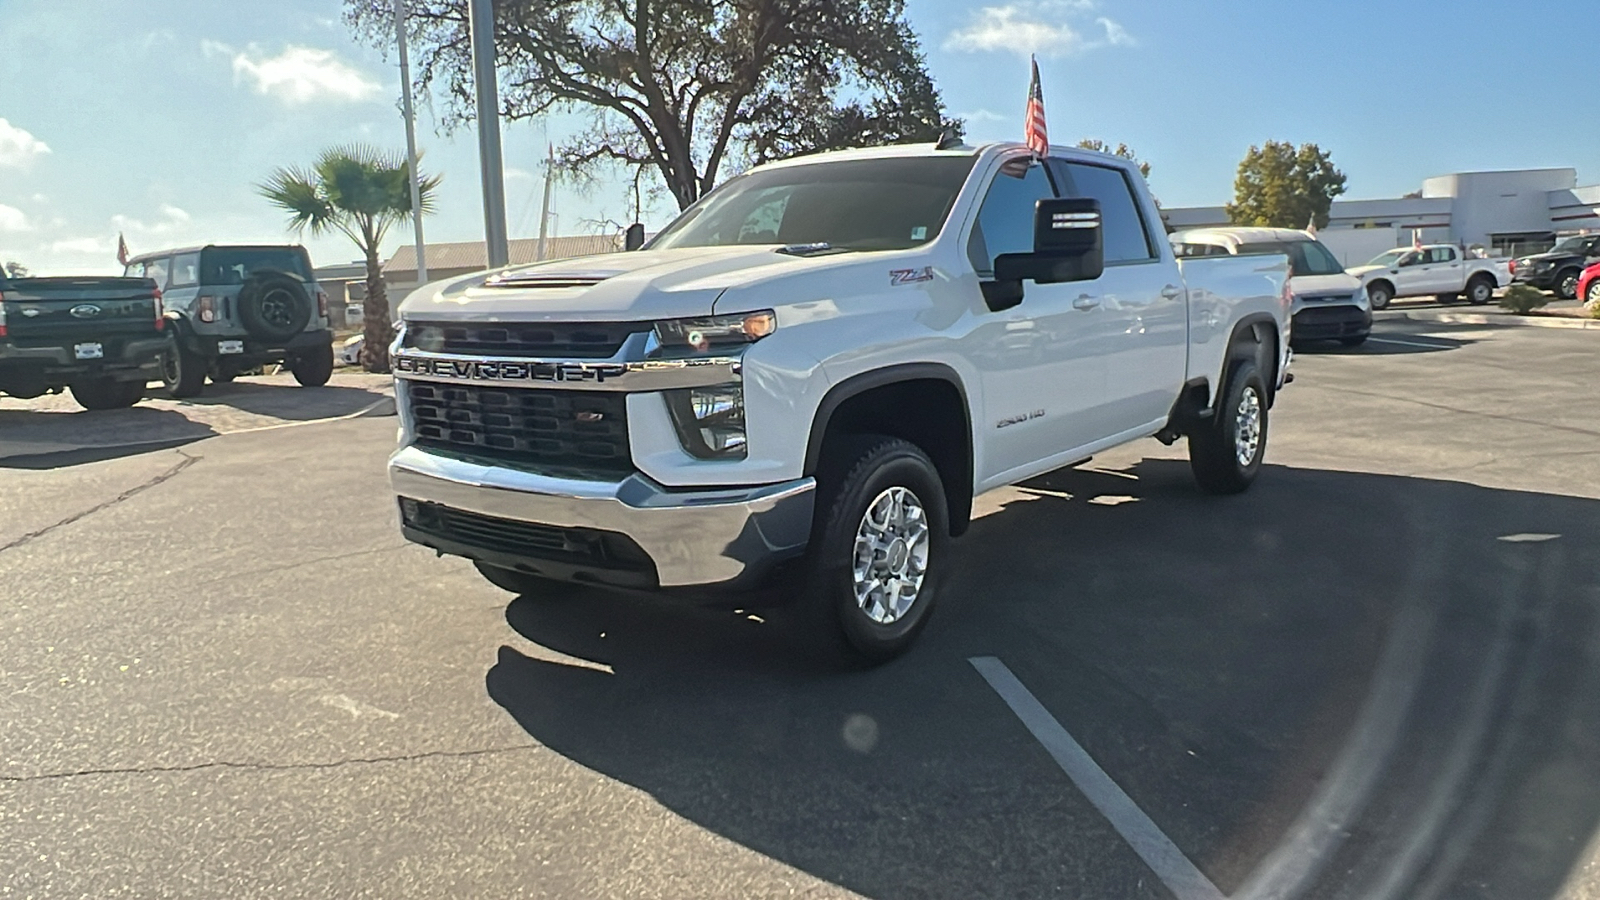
(891, 558)
(1247, 427)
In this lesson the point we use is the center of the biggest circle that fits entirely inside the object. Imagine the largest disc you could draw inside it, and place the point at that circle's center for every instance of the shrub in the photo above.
(1522, 299)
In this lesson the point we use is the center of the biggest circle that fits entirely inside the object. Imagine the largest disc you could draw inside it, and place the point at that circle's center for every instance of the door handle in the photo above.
(1086, 301)
(1171, 292)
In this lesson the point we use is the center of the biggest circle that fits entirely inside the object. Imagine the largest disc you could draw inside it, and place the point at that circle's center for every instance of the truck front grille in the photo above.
(575, 340)
(566, 431)
(585, 547)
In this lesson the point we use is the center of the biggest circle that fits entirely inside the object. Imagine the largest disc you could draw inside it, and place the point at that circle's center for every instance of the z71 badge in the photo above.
(910, 276)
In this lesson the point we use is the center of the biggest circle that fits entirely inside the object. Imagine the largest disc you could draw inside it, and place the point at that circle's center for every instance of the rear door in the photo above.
(1139, 323)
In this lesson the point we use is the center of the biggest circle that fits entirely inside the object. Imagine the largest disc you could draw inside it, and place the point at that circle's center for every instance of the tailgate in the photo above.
(54, 310)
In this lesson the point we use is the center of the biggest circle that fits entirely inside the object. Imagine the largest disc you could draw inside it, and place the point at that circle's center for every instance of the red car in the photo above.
(1589, 286)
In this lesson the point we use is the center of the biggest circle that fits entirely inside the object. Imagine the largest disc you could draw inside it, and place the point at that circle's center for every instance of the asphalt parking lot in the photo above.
(1375, 675)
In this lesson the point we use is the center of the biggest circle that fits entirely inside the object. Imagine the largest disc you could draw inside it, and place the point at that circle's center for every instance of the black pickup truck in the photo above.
(102, 337)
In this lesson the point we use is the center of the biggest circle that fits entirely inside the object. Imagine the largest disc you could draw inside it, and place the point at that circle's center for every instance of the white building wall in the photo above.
(1487, 203)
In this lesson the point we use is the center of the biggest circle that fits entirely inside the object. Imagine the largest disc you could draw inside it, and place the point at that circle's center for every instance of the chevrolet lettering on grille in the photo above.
(508, 372)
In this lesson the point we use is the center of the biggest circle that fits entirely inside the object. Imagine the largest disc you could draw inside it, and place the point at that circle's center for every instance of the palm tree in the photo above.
(360, 191)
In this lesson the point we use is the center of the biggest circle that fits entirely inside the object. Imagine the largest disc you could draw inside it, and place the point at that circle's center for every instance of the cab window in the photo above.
(185, 270)
(1005, 220)
(156, 270)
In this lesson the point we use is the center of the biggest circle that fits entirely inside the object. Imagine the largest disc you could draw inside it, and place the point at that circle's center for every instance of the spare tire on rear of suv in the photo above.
(274, 306)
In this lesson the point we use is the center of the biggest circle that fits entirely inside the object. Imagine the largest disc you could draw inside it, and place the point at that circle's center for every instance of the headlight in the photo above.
(709, 420)
(693, 337)
(1360, 296)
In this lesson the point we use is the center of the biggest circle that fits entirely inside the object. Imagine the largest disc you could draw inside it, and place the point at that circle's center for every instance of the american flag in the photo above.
(122, 250)
(1037, 139)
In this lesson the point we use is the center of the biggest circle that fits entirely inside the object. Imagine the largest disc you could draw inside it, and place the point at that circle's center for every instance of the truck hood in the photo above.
(644, 285)
(1315, 285)
(1362, 271)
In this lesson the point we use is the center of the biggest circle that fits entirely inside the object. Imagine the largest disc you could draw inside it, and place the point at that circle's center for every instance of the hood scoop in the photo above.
(547, 280)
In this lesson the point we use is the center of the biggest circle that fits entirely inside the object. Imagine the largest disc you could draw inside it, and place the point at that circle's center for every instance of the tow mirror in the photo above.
(1068, 245)
(633, 238)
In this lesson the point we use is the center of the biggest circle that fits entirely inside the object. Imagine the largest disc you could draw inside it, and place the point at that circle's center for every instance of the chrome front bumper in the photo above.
(694, 537)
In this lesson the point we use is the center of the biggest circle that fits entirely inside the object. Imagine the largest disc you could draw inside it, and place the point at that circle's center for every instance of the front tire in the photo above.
(1567, 285)
(1225, 452)
(879, 546)
(1592, 297)
(104, 393)
(512, 581)
(1379, 295)
(315, 368)
(183, 373)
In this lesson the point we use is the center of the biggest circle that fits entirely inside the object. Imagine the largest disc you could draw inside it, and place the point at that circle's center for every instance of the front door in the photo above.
(1442, 271)
(1140, 327)
(1041, 376)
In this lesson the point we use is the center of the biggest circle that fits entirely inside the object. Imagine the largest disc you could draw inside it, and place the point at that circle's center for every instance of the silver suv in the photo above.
(235, 308)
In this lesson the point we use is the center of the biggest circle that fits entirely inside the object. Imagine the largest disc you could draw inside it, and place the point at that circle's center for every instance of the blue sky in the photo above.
(154, 117)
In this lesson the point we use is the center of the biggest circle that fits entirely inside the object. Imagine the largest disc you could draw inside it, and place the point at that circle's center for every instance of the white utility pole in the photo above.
(544, 210)
(411, 137)
(481, 31)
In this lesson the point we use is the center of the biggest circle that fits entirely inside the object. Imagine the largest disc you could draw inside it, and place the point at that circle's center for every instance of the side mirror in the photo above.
(1068, 245)
(633, 238)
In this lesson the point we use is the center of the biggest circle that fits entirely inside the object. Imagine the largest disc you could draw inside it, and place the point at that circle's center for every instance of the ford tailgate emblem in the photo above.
(84, 311)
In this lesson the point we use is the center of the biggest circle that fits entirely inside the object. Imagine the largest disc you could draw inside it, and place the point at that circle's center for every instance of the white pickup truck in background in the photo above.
(1433, 270)
(820, 364)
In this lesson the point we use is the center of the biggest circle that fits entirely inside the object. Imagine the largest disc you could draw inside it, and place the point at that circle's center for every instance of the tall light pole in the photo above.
(411, 138)
(481, 16)
(544, 208)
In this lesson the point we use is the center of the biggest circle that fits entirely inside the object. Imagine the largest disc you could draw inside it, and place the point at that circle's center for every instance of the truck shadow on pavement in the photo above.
(1416, 660)
(288, 402)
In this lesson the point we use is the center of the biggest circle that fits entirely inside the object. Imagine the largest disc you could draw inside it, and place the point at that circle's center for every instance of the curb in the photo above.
(1482, 319)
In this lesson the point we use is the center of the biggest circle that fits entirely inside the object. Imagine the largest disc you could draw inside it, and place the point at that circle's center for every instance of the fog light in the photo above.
(710, 420)
(409, 510)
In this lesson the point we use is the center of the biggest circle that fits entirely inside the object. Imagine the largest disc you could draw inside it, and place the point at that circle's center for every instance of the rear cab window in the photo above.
(233, 265)
(1126, 233)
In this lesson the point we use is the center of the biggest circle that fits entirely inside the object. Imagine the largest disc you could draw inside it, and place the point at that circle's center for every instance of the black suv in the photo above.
(234, 308)
(1558, 270)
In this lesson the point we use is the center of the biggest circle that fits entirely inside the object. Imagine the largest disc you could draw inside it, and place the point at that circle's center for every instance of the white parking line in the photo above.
(1157, 850)
(1439, 346)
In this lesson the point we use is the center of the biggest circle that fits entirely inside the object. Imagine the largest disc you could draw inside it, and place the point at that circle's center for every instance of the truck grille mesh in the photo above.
(573, 433)
(581, 340)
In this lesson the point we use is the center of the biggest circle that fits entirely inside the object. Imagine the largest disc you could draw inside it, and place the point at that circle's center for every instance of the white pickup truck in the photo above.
(1432, 270)
(822, 362)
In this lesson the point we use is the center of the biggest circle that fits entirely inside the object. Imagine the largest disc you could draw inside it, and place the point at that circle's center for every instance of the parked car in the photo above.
(102, 338)
(1432, 270)
(350, 350)
(235, 308)
(1560, 269)
(824, 361)
(1589, 287)
(1329, 303)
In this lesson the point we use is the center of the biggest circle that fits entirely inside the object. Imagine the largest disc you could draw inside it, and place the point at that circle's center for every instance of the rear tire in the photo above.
(315, 368)
(878, 547)
(104, 393)
(183, 373)
(1225, 452)
(1379, 295)
(512, 581)
(1480, 290)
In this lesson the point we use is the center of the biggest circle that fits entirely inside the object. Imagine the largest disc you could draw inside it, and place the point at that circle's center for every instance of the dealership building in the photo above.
(1508, 213)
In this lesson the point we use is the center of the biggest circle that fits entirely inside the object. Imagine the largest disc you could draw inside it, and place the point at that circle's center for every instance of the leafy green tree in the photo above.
(1122, 150)
(684, 88)
(360, 192)
(14, 269)
(1282, 187)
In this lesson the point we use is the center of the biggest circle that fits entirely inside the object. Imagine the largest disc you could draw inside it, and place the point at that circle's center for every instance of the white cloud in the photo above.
(84, 245)
(18, 148)
(13, 220)
(215, 48)
(298, 74)
(982, 115)
(172, 220)
(1046, 27)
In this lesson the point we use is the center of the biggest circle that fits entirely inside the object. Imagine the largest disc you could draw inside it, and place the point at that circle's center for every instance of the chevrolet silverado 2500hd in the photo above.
(824, 360)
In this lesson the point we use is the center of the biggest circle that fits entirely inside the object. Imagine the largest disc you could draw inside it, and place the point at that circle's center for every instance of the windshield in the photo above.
(1305, 257)
(1570, 245)
(1389, 259)
(232, 265)
(879, 204)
